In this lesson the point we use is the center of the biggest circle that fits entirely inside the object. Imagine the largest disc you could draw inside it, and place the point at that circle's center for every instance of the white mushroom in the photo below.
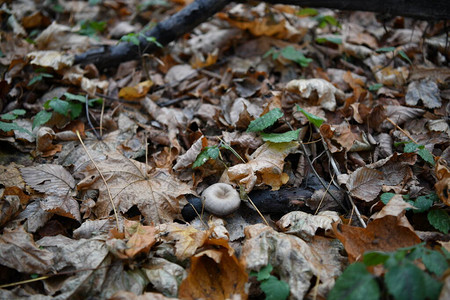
(221, 199)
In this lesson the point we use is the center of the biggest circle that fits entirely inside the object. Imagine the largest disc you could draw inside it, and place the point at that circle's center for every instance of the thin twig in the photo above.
(402, 131)
(257, 210)
(89, 119)
(104, 180)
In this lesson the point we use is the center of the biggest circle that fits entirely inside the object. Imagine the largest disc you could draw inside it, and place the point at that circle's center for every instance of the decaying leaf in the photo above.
(19, 251)
(190, 156)
(384, 234)
(317, 92)
(305, 225)
(443, 184)
(425, 90)
(155, 192)
(365, 183)
(293, 260)
(164, 275)
(215, 273)
(265, 166)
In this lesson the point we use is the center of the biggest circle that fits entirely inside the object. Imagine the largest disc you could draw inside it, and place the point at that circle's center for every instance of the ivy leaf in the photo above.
(275, 289)
(435, 262)
(385, 197)
(355, 283)
(41, 118)
(426, 155)
(375, 258)
(60, 106)
(406, 282)
(313, 119)
(265, 121)
(280, 137)
(205, 155)
(439, 219)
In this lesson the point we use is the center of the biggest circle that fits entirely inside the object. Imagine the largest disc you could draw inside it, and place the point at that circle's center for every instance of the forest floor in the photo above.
(333, 128)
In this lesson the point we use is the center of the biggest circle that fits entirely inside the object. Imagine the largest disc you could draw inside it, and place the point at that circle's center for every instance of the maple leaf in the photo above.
(155, 192)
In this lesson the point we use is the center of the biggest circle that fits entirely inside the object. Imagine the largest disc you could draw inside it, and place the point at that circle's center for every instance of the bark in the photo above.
(201, 10)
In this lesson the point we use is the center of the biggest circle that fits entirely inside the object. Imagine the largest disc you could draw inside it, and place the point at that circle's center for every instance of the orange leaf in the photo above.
(137, 91)
(443, 185)
(215, 273)
(141, 241)
(384, 234)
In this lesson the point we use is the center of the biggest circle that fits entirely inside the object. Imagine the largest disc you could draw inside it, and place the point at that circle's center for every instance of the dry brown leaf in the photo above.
(305, 225)
(265, 167)
(63, 205)
(384, 234)
(19, 251)
(10, 175)
(215, 273)
(425, 90)
(156, 192)
(187, 238)
(365, 183)
(294, 260)
(165, 276)
(317, 92)
(443, 184)
(126, 295)
(141, 240)
(191, 154)
(135, 92)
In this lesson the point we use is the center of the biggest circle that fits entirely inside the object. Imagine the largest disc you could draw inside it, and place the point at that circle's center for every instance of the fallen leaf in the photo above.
(165, 276)
(425, 90)
(19, 251)
(443, 184)
(215, 273)
(365, 183)
(137, 91)
(384, 234)
(317, 92)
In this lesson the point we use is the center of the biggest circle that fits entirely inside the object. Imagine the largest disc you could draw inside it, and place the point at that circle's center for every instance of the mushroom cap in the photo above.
(221, 199)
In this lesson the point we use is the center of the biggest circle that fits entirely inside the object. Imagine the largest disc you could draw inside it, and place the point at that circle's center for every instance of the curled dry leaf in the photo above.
(443, 184)
(190, 156)
(265, 167)
(164, 275)
(317, 91)
(294, 260)
(305, 225)
(215, 273)
(384, 234)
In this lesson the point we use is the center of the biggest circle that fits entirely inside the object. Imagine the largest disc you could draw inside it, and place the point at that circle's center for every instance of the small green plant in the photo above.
(273, 288)
(134, 39)
(12, 115)
(291, 54)
(313, 119)
(267, 120)
(375, 87)
(71, 106)
(423, 152)
(331, 39)
(403, 279)
(401, 53)
(438, 218)
(91, 28)
(323, 20)
(40, 75)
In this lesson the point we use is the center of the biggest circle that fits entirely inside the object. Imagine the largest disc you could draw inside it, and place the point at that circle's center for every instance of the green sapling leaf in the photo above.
(265, 121)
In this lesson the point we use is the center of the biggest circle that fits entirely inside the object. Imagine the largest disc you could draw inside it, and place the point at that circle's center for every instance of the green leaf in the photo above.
(313, 119)
(130, 38)
(280, 137)
(406, 282)
(386, 197)
(439, 219)
(385, 49)
(426, 155)
(8, 116)
(264, 273)
(435, 262)
(275, 289)
(375, 87)
(335, 40)
(410, 147)
(291, 53)
(423, 203)
(60, 106)
(41, 118)
(374, 258)
(152, 39)
(75, 109)
(404, 56)
(265, 121)
(307, 12)
(270, 52)
(355, 283)
(39, 77)
(4, 126)
(432, 287)
(205, 155)
(79, 98)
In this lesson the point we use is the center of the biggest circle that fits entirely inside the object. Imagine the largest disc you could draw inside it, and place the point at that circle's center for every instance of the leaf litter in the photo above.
(281, 97)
